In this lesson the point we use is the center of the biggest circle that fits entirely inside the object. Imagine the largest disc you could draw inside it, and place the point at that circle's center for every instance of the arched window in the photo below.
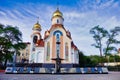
(57, 45)
(58, 34)
(58, 37)
(35, 39)
(66, 51)
(57, 21)
(33, 49)
(57, 31)
(48, 51)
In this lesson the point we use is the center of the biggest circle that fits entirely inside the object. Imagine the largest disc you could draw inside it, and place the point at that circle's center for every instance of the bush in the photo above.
(114, 68)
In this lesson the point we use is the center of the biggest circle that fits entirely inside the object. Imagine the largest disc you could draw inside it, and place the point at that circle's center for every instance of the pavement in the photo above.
(110, 76)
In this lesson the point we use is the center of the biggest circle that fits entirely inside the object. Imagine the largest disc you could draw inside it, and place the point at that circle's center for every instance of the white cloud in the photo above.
(96, 4)
(107, 4)
(2, 13)
(111, 22)
(77, 21)
(79, 25)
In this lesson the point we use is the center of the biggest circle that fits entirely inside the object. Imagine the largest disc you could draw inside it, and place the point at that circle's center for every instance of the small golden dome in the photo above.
(57, 13)
(37, 26)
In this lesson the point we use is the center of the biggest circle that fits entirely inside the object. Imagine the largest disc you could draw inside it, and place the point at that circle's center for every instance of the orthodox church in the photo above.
(43, 50)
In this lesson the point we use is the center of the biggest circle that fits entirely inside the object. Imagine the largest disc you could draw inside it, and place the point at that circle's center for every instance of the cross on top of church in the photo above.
(37, 19)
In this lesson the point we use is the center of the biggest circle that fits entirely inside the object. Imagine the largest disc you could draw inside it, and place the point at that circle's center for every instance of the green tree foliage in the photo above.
(106, 38)
(82, 59)
(95, 59)
(85, 61)
(111, 40)
(98, 35)
(113, 58)
(10, 41)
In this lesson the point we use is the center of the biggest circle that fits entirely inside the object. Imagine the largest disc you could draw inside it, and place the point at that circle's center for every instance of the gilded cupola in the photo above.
(57, 17)
(37, 26)
(57, 13)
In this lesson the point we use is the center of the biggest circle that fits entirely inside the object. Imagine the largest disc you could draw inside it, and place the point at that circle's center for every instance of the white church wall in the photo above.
(73, 55)
(32, 53)
(57, 20)
(77, 61)
(45, 52)
(76, 56)
(39, 55)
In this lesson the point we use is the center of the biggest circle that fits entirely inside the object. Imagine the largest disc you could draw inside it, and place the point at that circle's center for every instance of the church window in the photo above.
(48, 51)
(58, 34)
(58, 45)
(33, 49)
(57, 51)
(57, 21)
(58, 37)
(34, 39)
(66, 51)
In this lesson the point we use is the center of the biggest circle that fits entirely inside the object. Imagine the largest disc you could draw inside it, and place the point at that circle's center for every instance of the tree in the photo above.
(82, 58)
(10, 41)
(111, 40)
(85, 61)
(95, 59)
(98, 35)
(101, 35)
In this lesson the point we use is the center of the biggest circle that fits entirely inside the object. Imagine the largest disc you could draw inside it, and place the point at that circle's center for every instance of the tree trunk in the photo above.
(5, 64)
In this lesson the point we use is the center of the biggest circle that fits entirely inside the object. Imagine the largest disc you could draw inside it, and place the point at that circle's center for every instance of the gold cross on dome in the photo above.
(57, 5)
(37, 19)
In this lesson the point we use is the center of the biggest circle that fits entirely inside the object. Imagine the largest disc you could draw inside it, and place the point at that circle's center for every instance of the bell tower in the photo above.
(36, 33)
(35, 38)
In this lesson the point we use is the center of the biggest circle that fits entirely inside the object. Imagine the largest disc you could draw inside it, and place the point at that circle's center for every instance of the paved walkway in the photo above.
(110, 76)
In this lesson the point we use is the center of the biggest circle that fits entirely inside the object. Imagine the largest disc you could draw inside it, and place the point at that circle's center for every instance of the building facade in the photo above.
(57, 41)
(24, 54)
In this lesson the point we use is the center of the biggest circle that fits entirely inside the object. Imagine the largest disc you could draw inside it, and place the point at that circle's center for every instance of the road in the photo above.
(110, 76)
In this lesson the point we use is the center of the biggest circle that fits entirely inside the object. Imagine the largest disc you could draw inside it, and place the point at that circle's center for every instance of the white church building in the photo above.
(43, 50)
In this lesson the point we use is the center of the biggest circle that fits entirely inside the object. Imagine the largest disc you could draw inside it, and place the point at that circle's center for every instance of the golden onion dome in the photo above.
(37, 26)
(57, 13)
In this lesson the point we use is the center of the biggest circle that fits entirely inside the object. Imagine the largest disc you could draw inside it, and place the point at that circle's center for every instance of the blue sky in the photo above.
(79, 17)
